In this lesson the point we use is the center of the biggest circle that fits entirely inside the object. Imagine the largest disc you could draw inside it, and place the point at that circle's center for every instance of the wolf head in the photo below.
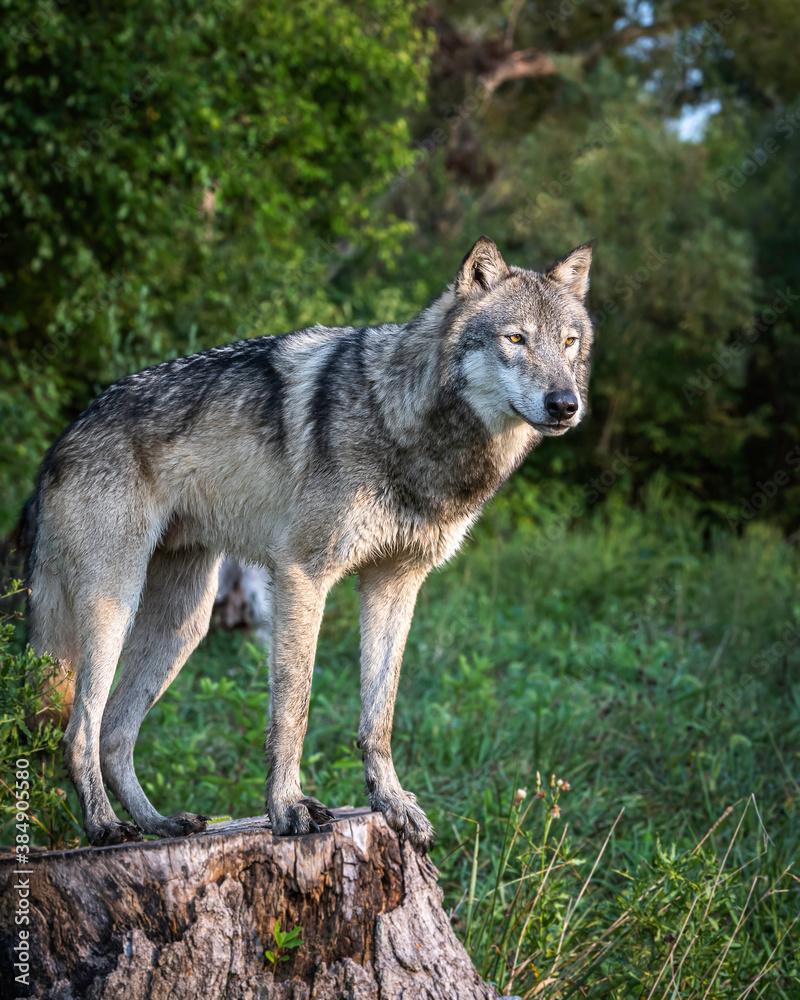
(522, 340)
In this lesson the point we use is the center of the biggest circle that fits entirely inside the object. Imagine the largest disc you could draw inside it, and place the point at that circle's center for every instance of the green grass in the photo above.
(637, 655)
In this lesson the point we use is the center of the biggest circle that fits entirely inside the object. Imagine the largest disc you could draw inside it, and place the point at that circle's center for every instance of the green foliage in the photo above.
(176, 176)
(284, 941)
(683, 377)
(684, 920)
(637, 653)
(30, 703)
(672, 281)
(213, 739)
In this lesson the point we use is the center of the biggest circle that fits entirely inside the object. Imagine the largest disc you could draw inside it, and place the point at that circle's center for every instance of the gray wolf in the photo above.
(319, 453)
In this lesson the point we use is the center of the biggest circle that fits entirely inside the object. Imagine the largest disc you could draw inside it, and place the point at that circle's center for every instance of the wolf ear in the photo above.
(482, 268)
(572, 272)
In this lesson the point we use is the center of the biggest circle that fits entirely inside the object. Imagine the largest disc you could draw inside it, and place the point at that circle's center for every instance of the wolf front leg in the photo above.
(388, 594)
(298, 603)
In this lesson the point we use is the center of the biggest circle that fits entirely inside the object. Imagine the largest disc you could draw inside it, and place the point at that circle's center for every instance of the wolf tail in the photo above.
(48, 619)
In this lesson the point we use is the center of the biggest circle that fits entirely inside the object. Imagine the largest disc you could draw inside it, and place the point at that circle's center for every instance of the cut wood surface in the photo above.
(191, 917)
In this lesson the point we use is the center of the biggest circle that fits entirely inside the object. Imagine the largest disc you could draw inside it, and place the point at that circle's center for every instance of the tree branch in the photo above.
(533, 63)
(527, 63)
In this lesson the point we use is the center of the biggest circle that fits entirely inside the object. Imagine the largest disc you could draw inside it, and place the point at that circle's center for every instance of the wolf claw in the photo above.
(180, 824)
(305, 816)
(115, 833)
(406, 818)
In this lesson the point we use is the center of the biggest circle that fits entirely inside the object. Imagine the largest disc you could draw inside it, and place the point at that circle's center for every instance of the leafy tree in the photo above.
(198, 174)
(548, 125)
(174, 176)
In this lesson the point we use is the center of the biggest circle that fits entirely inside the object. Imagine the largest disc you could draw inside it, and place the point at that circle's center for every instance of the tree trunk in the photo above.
(190, 919)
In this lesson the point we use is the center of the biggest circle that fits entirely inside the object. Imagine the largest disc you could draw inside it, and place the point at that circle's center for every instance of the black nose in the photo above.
(561, 404)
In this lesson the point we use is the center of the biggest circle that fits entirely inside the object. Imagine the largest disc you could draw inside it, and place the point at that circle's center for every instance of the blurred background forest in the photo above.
(174, 176)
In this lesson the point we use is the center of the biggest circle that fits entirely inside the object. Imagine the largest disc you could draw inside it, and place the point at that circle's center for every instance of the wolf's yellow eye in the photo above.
(515, 338)
(570, 341)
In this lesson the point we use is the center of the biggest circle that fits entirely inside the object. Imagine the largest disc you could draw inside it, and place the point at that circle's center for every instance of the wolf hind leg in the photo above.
(298, 603)
(174, 616)
(388, 594)
(103, 622)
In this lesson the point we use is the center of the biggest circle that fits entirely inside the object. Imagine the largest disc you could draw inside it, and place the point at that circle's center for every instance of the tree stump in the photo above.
(190, 919)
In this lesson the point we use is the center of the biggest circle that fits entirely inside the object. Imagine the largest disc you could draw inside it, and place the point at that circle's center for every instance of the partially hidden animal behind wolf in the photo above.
(319, 453)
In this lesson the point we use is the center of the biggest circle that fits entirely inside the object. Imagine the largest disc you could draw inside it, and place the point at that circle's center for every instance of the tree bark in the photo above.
(190, 918)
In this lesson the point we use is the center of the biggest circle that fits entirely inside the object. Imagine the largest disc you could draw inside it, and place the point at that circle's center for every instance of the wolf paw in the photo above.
(305, 816)
(179, 825)
(114, 833)
(405, 817)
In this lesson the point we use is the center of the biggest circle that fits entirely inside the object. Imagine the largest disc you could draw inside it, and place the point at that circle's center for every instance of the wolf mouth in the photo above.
(551, 427)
